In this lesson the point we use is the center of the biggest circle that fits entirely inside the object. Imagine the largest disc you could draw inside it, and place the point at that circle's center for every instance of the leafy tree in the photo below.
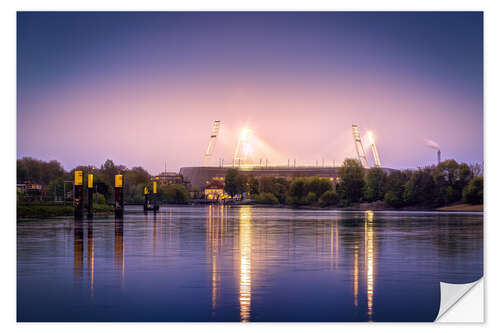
(56, 188)
(176, 194)
(266, 184)
(103, 186)
(242, 181)
(352, 176)
(22, 172)
(253, 185)
(136, 179)
(37, 171)
(266, 198)
(393, 199)
(318, 185)
(280, 188)
(329, 198)
(395, 185)
(234, 182)
(137, 175)
(297, 191)
(108, 170)
(375, 184)
(311, 198)
(473, 192)
(420, 188)
(101, 200)
(275, 185)
(451, 178)
(85, 168)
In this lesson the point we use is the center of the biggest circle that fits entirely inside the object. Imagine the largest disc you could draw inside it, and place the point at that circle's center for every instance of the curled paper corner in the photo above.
(461, 302)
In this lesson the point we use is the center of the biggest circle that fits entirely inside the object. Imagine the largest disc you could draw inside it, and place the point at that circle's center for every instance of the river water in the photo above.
(216, 263)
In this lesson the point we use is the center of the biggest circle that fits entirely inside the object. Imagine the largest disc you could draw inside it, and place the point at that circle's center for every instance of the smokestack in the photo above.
(434, 145)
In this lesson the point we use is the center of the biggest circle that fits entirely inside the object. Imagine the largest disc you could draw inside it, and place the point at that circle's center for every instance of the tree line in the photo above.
(51, 175)
(432, 186)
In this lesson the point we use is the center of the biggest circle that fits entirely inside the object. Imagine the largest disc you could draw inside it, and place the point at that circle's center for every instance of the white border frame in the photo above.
(8, 134)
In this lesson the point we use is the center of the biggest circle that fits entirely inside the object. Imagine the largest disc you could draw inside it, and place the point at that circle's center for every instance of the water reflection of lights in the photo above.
(90, 255)
(78, 251)
(334, 245)
(245, 263)
(356, 275)
(370, 258)
(155, 234)
(215, 233)
(331, 247)
(119, 248)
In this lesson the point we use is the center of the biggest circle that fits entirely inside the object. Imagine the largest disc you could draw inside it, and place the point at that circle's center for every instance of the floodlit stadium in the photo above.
(202, 176)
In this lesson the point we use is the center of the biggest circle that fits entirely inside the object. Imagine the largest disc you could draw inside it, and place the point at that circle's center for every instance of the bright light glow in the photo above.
(247, 149)
(245, 134)
(374, 148)
(370, 137)
(243, 149)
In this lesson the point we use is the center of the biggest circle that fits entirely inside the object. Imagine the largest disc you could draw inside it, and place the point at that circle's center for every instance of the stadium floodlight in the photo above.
(243, 148)
(212, 141)
(359, 146)
(374, 149)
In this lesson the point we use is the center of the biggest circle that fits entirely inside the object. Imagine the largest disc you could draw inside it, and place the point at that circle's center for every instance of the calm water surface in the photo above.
(244, 264)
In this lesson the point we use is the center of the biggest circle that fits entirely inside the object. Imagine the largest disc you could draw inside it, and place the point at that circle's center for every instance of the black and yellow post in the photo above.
(90, 195)
(156, 206)
(146, 198)
(78, 194)
(118, 195)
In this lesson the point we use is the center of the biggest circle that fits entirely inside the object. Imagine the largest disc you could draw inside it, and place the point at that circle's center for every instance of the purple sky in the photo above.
(144, 88)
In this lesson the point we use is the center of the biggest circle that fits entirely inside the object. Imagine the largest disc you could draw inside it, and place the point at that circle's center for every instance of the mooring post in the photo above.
(78, 194)
(156, 206)
(146, 203)
(90, 195)
(118, 195)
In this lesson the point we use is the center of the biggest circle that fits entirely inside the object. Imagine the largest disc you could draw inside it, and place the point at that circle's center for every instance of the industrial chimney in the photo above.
(434, 145)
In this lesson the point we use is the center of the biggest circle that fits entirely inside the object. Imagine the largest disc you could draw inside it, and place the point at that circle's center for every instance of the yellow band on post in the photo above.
(78, 177)
(90, 181)
(118, 180)
(154, 188)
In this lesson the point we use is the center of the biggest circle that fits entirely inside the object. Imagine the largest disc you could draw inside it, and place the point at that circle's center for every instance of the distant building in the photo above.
(215, 190)
(202, 177)
(30, 191)
(169, 178)
(28, 187)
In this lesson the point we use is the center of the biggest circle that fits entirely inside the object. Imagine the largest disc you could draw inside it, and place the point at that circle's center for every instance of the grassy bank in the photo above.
(462, 208)
(51, 210)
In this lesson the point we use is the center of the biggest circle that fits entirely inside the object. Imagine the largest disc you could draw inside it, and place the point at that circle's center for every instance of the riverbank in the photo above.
(462, 208)
(53, 210)
(373, 206)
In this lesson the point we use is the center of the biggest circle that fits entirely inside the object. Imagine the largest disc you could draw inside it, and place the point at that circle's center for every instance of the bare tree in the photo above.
(476, 169)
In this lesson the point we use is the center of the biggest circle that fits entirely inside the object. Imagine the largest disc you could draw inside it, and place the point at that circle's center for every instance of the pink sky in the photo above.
(145, 88)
